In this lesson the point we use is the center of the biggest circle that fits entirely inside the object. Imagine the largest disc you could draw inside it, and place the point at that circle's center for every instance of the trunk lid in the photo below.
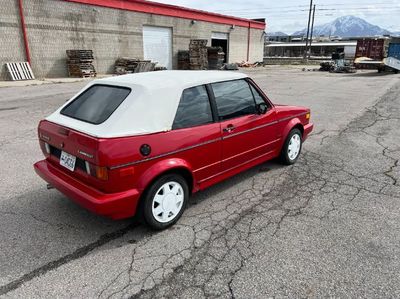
(55, 139)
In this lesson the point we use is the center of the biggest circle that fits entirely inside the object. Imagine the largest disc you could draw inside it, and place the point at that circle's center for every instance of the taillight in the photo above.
(45, 148)
(99, 172)
(87, 166)
(102, 173)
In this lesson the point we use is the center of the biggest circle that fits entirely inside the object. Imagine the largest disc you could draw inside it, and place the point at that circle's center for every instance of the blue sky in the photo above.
(291, 15)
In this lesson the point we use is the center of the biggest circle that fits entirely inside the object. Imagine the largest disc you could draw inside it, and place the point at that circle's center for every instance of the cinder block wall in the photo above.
(257, 38)
(54, 26)
(11, 41)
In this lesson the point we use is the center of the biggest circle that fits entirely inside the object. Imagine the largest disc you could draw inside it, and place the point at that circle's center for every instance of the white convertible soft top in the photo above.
(149, 108)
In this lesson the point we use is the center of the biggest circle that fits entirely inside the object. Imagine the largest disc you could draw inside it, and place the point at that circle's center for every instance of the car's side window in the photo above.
(257, 97)
(194, 109)
(233, 99)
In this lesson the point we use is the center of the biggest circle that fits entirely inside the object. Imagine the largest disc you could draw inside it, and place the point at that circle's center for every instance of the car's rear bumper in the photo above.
(115, 205)
(307, 130)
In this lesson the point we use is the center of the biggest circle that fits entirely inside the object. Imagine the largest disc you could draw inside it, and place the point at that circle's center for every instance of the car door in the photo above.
(196, 133)
(246, 134)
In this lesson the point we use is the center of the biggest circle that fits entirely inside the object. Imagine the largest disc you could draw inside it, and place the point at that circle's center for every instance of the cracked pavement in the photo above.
(325, 227)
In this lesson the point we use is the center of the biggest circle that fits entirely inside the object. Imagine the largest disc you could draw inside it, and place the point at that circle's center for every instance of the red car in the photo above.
(145, 142)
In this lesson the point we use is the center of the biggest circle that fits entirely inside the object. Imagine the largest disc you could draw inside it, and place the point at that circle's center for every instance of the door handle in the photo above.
(229, 129)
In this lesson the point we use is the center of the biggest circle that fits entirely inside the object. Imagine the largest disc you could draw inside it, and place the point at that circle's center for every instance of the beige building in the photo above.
(113, 29)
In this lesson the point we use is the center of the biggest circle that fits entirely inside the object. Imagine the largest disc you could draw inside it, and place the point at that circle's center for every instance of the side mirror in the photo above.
(261, 108)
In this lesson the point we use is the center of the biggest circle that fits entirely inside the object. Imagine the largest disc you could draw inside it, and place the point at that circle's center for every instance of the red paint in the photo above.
(24, 33)
(209, 154)
(173, 11)
(241, 145)
(115, 205)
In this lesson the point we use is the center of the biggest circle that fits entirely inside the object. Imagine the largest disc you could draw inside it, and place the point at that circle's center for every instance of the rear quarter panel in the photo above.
(197, 150)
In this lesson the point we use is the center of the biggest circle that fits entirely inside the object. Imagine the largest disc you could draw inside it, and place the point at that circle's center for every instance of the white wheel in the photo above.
(168, 202)
(294, 146)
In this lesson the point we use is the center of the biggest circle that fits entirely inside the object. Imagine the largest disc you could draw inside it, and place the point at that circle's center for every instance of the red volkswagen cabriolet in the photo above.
(145, 142)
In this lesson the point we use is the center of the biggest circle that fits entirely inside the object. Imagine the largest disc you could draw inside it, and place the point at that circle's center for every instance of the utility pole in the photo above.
(308, 28)
(312, 29)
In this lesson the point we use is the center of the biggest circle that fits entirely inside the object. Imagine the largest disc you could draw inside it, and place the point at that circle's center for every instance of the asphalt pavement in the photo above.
(325, 227)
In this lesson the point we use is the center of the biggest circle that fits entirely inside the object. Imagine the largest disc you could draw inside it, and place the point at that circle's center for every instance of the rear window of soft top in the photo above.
(96, 104)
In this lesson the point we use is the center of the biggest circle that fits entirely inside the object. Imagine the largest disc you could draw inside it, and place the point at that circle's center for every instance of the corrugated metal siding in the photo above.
(371, 48)
(394, 50)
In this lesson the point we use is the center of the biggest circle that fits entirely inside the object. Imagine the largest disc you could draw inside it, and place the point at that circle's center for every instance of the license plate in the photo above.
(68, 161)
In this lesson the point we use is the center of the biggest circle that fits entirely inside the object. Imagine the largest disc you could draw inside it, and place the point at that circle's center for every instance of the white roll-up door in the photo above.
(219, 35)
(157, 45)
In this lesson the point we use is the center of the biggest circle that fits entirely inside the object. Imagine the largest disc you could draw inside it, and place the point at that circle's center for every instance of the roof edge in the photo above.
(173, 11)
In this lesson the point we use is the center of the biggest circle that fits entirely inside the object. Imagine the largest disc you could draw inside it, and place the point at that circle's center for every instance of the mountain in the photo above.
(279, 33)
(347, 26)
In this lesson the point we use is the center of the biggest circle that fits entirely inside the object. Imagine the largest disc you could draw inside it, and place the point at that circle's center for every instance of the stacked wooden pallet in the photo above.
(198, 57)
(183, 60)
(125, 65)
(80, 63)
(216, 57)
(133, 65)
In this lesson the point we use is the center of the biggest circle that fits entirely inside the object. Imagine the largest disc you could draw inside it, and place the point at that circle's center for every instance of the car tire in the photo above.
(292, 147)
(165, 201)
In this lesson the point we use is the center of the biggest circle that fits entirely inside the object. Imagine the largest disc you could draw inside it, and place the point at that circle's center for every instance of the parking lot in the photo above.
(325, 227)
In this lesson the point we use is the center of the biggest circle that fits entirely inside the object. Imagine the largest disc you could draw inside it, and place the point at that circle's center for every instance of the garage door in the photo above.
(220, 39)
(157, 45)
(219, 35)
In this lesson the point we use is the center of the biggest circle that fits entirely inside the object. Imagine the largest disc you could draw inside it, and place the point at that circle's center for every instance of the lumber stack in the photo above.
(198, 57)
(216, 57)
(132, 65)
(80, 63)
(183, 60)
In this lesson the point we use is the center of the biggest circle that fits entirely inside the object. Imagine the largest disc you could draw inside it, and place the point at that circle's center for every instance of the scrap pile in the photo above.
(326, 66)
(183, 60)
(248, 64)
(198, 57)
(160, 68)
(133, 65)
(338, 64)
(231, 67)
(80, 63)
(216, 57)
(145, 66)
